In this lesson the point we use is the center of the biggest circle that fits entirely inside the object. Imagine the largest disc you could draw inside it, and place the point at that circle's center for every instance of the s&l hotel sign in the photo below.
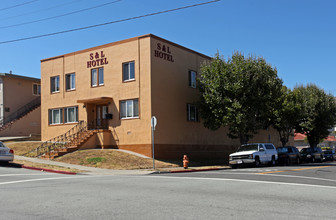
(97, 59)
(163, 51)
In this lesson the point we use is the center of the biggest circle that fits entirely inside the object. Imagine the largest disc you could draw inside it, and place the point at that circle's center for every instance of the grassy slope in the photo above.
(111, 159)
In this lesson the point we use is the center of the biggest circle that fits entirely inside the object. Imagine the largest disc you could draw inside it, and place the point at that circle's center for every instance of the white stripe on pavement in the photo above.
(277, 175)
(240, 180)
(43, 179)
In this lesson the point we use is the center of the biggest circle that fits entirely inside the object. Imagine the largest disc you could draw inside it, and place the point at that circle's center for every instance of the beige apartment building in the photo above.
(116, 88)
(20, 110)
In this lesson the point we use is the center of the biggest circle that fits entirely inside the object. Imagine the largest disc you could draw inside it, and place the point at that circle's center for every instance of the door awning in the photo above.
(99, 100)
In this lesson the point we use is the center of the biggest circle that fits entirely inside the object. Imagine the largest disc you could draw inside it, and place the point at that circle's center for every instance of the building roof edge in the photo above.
(125, 41)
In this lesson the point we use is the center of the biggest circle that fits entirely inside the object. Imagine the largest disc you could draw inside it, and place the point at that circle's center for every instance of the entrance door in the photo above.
(98, 116)
(101, 111)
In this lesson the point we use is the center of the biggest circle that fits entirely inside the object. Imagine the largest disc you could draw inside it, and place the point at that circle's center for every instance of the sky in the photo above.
(298, 37)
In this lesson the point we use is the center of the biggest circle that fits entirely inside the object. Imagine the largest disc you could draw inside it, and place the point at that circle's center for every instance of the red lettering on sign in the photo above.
(162, 51)
(97, 59)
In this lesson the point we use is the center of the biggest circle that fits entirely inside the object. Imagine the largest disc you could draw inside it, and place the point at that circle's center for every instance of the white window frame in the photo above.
(192, 78)
(66, 115)
(57, 84)
(94, 78)
(126, 109)
(52, 116)
(72, 80)
(100, 70)
(98, 77)
(38, 89)
(129, 71)
(189, 107)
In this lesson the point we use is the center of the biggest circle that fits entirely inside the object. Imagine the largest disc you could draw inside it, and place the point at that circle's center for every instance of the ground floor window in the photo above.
(192, 112)
(63, 115)
(55, 116)
(70, 114)
(129, 108)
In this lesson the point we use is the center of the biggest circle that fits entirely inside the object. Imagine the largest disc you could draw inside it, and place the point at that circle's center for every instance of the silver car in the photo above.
(6, 154)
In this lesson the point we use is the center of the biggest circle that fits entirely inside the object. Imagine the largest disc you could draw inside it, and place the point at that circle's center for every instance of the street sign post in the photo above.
(153, 124)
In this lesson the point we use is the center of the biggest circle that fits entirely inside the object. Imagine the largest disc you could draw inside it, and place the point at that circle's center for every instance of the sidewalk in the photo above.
(99, 171)
(87, 170)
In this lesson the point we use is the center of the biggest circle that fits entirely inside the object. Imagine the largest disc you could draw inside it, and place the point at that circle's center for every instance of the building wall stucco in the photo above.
(161, 85)
(124, 131)
(29, 124)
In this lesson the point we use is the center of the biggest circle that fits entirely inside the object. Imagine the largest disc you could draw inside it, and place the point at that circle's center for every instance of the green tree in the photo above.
(239, 93)
(318, 113)
(286, 115)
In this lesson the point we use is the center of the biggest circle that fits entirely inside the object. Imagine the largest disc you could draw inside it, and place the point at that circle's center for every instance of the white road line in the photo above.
(290, 176)
(240, 180)
(43, 179)
(27, 174)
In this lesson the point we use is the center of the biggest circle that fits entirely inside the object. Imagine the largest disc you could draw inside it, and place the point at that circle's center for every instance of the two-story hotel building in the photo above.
(121, 85)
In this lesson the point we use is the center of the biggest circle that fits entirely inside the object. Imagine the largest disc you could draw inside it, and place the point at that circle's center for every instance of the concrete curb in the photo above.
(48, 170)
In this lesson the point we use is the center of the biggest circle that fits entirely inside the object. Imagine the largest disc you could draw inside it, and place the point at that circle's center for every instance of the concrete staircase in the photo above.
(72, 146)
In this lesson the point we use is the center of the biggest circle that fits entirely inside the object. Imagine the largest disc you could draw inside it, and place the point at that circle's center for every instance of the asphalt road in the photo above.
(292, 192)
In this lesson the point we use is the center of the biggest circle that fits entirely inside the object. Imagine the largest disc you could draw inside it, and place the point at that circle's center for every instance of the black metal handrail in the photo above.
(98, 124)
(60, 142)
(21, 111)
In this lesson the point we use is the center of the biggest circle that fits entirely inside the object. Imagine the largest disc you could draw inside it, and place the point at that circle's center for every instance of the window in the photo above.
(70, 83)
(101, 76)
(70, 114)
(54, 84)
(269, 146)
(97, 77)
(128, 71)
(55, 116)
(129, 108)
(192, 112)
(192, 79)
(36, 89)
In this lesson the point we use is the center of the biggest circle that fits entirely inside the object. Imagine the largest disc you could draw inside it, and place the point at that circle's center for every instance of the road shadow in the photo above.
(10, 165)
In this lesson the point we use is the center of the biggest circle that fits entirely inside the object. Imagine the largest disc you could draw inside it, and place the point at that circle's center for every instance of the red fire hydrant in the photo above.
(185, 162)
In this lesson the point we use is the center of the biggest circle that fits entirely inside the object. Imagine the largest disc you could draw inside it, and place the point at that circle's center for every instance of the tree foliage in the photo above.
(286, 115)
(239, 93)
(318, 113)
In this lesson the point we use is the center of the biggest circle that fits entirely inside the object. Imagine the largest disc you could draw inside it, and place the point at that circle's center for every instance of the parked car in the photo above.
(6, 154)
(288, 155)
(312, 154)
(329, 155)
(256, 154)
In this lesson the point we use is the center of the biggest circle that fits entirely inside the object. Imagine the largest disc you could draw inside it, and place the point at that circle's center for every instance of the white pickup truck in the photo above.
(257, 153)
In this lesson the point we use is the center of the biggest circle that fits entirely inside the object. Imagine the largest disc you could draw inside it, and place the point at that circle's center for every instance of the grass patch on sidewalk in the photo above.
(112, 159)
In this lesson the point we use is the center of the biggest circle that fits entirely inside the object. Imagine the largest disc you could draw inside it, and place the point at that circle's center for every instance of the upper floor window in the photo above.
(70, 83)
(97, 77)
(192, 112)
(54, 84)
(129, 108)
(36, 89)
(192, 79)
(128, 71)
